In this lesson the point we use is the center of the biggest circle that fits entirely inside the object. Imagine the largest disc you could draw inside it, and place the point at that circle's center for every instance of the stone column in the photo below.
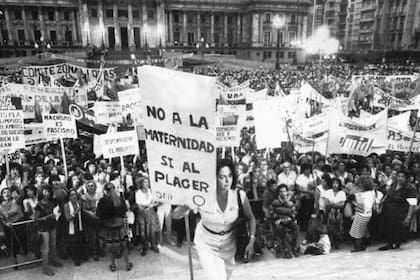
(184, 30)
(238, 29)
(101, 23)
(74, 30)
(131, 44)
(144, 24)
(260, 28)
(41, 22)
(116, 28)
(171, 28)
(59, 30)
(255, 28)
(28, 36)
(198, 27)
(8, 27)
(225, 29)
(160, 20)
(212, 30)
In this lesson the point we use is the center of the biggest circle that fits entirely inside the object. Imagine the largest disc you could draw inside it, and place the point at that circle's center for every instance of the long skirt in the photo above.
(359, 226)
(113, 231)
(306, 210)
(147, 222)
(395, 231)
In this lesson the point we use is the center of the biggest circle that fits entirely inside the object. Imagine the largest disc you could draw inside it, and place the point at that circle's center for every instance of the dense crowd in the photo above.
(100, 205)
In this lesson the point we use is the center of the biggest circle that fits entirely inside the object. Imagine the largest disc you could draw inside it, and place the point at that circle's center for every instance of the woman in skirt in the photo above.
(111, 211)
(364, 201)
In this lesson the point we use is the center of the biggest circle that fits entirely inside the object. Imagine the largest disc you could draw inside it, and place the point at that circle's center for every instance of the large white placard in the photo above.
(58, 126)
(107, 112)
(122, 143)
(130, 103)
(230, 121)
(180, 133)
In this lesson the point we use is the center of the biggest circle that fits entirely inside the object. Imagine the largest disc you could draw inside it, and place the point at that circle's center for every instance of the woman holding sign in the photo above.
(215, 234)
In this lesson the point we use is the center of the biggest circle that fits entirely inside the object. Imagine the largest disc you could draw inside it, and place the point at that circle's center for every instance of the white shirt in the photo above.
(367, 199)
(304, 181)
(322, 197)
(144, 198)
(289, 180)
(335, 198)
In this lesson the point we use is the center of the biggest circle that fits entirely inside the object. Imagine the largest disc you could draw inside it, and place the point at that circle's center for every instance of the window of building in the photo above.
(267, 38)
(176, 18)
(136, 13)
(203, 18)
(34, 13)
(191, 38)
(203, 35)
(216, 19)
(5, 35)
(150, 14)
(94, 12)
(53, 36)
(189, 19)
(21, 36)
(293, 19)
(68, 36)
(66, 15)
(216, 39)
(267, 18)
(292, 36)
(50, 14)
(123, 13)
(18, 14)
(177, 37)
(230, 20)
(281, 54)
(37, 35)
(109, 13)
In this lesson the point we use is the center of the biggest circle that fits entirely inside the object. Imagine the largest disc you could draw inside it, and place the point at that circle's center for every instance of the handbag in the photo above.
(241, 231)
(348, 210)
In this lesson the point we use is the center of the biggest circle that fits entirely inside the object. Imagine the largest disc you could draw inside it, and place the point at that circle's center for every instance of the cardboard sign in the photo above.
(313, 125)
(180, 135)
(233, 95)
(107, 113)
(307, 145)
(122, 143)
(34, 134)
(358, 136)
(130, 103)
(58, 126)
(11, 125)
(230, 121)
(400, 140)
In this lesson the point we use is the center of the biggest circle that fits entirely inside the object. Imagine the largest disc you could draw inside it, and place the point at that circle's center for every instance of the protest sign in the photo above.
(400, 140)
(358, 136)
(314, 125)
(107, 113)
(116, 144)
(233, 95)
(11, 125)
(58, 126)
(33, 75)
(130, 103)
(180, 135)
(230, 121)
(34, 134)
(387, 100)
(270, 118)
(307, 145)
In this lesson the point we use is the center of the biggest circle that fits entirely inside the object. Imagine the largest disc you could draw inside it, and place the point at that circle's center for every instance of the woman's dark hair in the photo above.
(270, 183)
(306, 166)
(327, 179)
(326, 169)
(340, 185)
(366, 183)
(405, 172)
(282, 186)
(25, 190)
(2, 191)
(53, 178)
(45, 187)
(229, 164)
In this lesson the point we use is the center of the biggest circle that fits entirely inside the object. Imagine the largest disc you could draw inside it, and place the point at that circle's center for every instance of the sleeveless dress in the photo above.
(217, 252)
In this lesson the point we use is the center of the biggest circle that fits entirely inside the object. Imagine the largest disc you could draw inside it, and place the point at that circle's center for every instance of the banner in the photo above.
(130, 103)
(230, 121)
(179, 123)
(34, 134)
(11, 125)
(121, 143)
(306, 145)
(358, 136)
(34, 75)
(58, 126)
(46, 97)
(400, 140)
(107, 112)
(270, 118)
(313, 125)
(233, 95)
(387, 100)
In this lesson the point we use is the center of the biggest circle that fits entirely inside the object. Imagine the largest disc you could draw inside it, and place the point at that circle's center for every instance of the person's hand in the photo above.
(406, 221)
(249, 250)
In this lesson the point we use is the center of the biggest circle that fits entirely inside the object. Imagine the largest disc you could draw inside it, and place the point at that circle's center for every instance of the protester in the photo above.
(90, 220)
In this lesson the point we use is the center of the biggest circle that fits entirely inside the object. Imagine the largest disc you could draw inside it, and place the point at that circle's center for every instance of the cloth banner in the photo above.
(46, 97)
(387, 100)
(358, 136)
(313, 125)
(33, 75)
(11, 125)
(34, 134)
(400, 140)
(270, 119)
(107, 112)
(233, 95)
(230, 121)
(58, 126)
(121, 143)
(180, 135)
(306, 145)
(130, 103)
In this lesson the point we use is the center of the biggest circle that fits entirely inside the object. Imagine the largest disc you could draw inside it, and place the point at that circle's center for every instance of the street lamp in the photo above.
(278, 23)
(202, 45)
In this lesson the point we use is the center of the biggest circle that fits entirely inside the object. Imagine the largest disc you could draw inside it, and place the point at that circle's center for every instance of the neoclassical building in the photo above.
(245, 28)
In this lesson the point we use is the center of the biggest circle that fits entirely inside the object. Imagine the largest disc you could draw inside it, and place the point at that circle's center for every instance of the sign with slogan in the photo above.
(34, 134)
(107, 112)
(33, 75)
(270, 121)
(230, 121)
(233, 95)
(387, 100)
(400, 140)
(307, 145)
(358, 136)
(130, 103)
(11, 125)
(313, 125)
(58, 126)
(46, 97)
(122, 143)
(180, 136)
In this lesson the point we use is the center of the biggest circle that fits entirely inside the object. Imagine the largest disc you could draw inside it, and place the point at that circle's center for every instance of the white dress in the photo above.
(217, 252)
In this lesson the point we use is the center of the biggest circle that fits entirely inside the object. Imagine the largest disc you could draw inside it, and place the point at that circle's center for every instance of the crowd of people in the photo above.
(100, 207)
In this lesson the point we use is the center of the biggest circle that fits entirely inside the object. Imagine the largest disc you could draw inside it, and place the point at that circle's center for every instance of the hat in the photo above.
(396, 162)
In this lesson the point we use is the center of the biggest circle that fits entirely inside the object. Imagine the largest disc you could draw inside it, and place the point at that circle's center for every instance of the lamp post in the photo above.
(42, 46)
(278, 23)
(202, 45)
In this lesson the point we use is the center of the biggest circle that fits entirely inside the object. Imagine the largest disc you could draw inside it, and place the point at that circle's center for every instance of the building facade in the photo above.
(244, 28)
